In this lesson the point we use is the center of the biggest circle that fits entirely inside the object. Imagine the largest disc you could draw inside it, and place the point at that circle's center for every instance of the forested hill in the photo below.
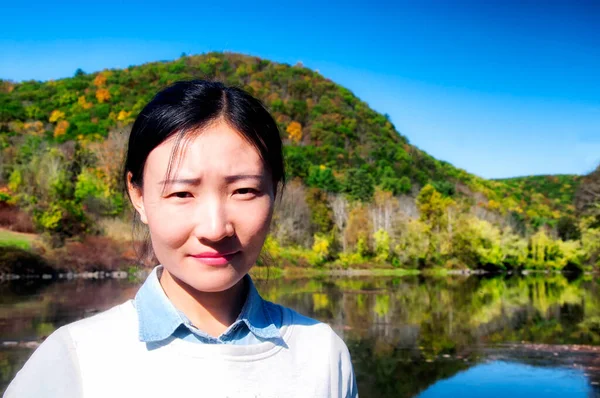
(334, 141)
(557, 189)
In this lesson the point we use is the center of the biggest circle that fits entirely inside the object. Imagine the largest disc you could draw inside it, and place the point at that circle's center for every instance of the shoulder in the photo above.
(115, 323)
(321, 348)
(51, 371)
(303, 331)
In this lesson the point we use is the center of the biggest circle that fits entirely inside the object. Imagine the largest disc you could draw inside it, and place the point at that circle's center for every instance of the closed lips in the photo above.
(213, 255)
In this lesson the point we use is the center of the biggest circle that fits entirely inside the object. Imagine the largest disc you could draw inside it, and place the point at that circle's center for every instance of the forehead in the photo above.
(215, 150)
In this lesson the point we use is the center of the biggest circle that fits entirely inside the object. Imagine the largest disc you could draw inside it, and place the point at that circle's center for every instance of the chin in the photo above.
(215, 285)
(212, 279)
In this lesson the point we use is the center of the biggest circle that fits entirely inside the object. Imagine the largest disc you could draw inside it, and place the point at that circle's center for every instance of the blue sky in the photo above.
(498, 88)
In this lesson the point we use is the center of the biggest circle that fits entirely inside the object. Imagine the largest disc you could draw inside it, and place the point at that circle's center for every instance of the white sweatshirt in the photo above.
(102, 356)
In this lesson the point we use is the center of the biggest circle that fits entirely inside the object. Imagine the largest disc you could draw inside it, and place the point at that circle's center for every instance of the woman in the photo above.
(203, 168)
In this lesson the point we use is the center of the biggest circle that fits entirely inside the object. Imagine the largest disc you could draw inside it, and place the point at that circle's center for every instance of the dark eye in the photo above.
(246, 191)
(181, 195)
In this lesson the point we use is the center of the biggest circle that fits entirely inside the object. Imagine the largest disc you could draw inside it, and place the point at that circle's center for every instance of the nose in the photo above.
(212, 223)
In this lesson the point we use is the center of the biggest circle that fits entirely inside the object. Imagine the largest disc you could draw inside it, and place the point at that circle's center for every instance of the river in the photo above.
(534, 335)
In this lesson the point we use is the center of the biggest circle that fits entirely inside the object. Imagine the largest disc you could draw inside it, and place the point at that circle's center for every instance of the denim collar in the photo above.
(158, 317)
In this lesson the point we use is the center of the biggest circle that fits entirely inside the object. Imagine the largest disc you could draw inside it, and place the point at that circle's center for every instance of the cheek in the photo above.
(168, 229)
(252, 223)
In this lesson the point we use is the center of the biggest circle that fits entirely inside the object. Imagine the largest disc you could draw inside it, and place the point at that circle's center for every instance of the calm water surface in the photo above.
(409, 336)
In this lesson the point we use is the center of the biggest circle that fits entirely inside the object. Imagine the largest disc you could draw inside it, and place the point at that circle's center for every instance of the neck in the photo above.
(211, 312)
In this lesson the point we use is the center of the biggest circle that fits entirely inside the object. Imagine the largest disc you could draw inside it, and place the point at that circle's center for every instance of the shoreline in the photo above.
(261, 273)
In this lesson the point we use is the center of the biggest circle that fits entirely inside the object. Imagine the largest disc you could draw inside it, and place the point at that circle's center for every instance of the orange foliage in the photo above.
(61, 128)
(102, 95)
(100, 80)
(294, 130)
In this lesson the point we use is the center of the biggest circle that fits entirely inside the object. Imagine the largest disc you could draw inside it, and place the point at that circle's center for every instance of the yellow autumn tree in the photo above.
(493, 205)
(102, 95)
(56, 115)
(433, 207)
(123, 115)
(294, 130)
(84, 104)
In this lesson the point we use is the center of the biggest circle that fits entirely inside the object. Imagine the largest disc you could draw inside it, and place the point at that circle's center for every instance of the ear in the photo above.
(137, 199)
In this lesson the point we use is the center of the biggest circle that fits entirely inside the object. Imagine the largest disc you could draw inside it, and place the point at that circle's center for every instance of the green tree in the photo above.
(296, 162)
(396, 185)
(359, 185)
(390, 183)
(446, 188)
(321, 216)
(322, 177)
(567, 229)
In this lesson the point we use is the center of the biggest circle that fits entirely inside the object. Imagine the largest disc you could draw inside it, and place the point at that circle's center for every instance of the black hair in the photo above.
(188, 106)
(191, 105)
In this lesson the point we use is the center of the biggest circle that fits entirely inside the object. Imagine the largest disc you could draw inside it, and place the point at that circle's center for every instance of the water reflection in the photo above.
(405, 334)
(504, 379)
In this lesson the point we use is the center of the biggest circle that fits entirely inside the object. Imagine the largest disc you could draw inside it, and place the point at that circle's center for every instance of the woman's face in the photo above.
(209, 219)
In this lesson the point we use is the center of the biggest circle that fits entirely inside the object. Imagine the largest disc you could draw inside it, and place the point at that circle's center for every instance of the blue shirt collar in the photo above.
(158, 317)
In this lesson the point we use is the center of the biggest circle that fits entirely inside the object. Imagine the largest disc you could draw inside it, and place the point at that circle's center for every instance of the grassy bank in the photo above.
(26, 254)
(16, 239)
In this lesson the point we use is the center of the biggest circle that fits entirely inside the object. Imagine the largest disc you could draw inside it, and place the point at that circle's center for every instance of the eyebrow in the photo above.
(196, 181)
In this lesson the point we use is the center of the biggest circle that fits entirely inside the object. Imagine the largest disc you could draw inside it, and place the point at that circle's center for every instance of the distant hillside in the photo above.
(330, 134)
(554, 191)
